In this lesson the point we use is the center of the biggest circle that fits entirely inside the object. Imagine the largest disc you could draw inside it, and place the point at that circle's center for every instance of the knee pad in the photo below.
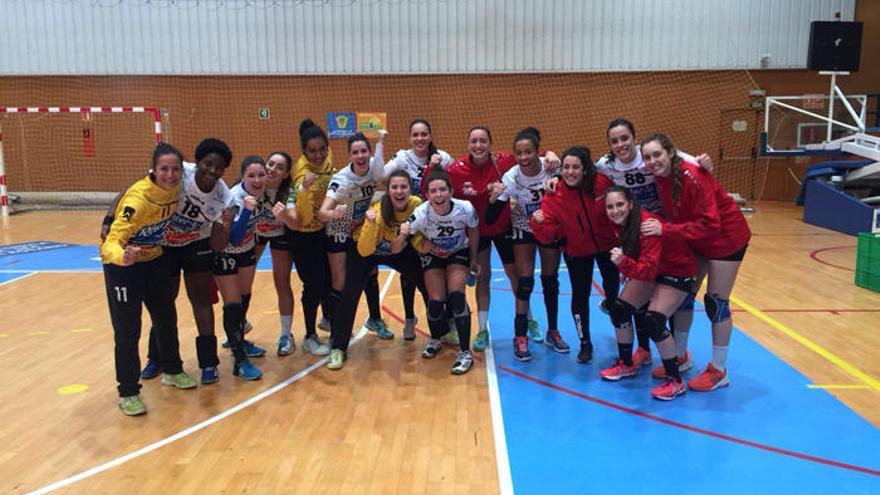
(717, 308)
(621, 312)
(656, 326)
(458, 304)
(550, 285)
(688, 303)
(524, 287)
(436, 310)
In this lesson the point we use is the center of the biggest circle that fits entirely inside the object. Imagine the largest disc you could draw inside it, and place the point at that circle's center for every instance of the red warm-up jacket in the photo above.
(577, 219)
(658, 256)
(705, 215)
(471, 182)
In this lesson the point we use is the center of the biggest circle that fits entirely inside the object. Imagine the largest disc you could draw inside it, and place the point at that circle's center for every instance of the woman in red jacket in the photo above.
(574, 215)
(659, 270)
(718, 234)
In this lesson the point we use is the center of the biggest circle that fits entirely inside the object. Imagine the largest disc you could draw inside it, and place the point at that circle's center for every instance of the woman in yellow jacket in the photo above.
(382, 239)
(135, 273)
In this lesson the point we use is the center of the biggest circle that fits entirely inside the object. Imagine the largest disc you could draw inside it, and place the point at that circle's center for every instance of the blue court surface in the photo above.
(568, 431)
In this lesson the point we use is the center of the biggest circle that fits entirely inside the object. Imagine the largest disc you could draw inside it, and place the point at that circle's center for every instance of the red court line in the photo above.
(815, 256)
(694, 429)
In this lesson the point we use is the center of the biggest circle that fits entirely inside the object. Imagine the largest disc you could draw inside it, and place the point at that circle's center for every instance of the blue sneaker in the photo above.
(210, 375)
(482, 341)
(521, 348)
(535, 332)
(151, 370)
(252, 350)
(246, 371)
(380, 328)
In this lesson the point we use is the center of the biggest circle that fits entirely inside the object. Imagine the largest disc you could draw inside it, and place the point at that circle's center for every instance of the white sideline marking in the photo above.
(204, 424)
(505, 482)
(27, 273)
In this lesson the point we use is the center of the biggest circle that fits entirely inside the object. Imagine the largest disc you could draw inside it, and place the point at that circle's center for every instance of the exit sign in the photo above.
(264, 114)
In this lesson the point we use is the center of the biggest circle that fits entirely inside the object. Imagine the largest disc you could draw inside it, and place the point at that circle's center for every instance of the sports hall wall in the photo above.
(569, 108)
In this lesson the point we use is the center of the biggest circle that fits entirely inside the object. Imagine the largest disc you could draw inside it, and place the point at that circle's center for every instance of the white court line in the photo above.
(27, 274)
(204, 424)
(505, 482)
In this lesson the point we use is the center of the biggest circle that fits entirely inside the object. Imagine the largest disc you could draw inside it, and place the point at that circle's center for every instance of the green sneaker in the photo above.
(451, 337)
(535, 333)
(337, 359)
(482, 341)
(180, 380)
(132, 406)
(380, 328)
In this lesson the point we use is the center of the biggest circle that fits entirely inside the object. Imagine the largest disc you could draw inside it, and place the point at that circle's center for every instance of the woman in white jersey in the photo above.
(235, 266)
(349, 196)
(450, 227)
(414, 162)
(522, 187)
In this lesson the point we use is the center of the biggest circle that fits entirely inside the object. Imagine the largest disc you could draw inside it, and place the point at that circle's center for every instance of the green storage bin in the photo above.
(868, 261)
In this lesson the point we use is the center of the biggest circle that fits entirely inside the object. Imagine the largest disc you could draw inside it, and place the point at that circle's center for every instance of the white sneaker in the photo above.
(313, 345)
(432, 348)
(286, 345)
(463, 362)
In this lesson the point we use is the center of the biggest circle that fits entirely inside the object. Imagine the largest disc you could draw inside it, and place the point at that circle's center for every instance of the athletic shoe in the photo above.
(669, 390)
(535, 332)
(246, 371)
(180, 380)
(132, 406)
(709, 380)
(463, 362)
(603, 306)
(252, 350)
(555, 342)
(380, 328)
(313, 345)
(432, 348)
(642, 357)
(684, 364)
(521, 348)
(482, 340)
(409, 328)
(337, 359)
(210, 375)
(585, 355)
(324, 324)
(286, 345)
(151, 370)
(248, 326)
(618, 371)
(450, 337)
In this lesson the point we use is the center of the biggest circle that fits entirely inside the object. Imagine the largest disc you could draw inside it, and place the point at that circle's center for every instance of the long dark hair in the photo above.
(674, 160)
(631, 228)
(583, 154)
(387, 207)
(615, 123)
(308, 130)
(432, 149)
(438, 174)
(284, 186)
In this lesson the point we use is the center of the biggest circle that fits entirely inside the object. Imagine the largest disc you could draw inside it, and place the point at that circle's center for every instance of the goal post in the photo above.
(41, 153)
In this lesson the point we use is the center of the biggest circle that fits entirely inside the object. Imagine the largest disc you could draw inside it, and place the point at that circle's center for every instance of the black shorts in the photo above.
(684, 284)
(520, 236)
(737, 256)
(279, 242)
(229, 263)
(338, 243)
(503, 244)
(430, 261)
(195, 257)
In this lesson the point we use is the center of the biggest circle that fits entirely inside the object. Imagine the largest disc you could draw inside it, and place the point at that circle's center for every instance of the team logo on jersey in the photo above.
(468, 189)
(127, 213)
(334, 186)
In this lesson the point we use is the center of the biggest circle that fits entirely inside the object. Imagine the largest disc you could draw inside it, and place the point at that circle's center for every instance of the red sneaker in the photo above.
(618, 371)
(641, 357)
(669, 390)
(684, 364)
(709, 380)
